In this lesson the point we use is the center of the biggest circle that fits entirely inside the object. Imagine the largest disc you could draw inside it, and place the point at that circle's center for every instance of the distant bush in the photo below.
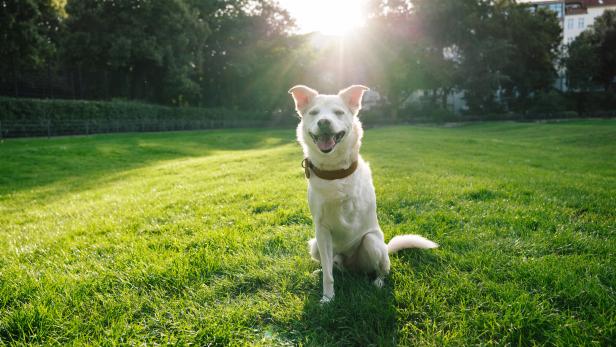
(548, 102)
(375, 115)
(35, 117)
(426, 111)
(547, 105)
(593, 104)
(573, 104)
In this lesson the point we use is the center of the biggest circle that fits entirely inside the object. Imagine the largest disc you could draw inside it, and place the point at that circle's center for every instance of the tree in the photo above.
(391, 49)
(499, 52)
(27, 37)
(445, 28)
(531, 63)
(245, 53)
(147, 50)
(591, 57)
(582, 62)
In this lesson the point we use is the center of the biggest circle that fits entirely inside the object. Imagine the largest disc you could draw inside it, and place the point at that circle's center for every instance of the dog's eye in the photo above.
(313, 112)
(338, 112)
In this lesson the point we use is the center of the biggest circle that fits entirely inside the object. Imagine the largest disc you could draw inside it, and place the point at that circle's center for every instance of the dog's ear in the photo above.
(302, 96)
(352, 96)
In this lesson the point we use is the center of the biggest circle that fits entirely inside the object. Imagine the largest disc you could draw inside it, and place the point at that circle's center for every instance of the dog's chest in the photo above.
(343, 218)
(340, 213)
(343, 208)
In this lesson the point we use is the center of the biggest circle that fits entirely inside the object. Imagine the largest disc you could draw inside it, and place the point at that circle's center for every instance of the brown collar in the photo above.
(327, 175)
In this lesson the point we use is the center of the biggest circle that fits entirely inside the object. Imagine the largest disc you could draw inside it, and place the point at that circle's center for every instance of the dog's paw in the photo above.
(326, 300)
(378, 282)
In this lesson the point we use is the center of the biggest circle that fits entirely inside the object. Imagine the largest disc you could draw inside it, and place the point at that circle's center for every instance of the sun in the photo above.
(329, 17)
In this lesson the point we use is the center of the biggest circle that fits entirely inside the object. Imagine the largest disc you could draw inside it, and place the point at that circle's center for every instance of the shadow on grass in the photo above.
(72, 163)
(360, 315)
(426, 261)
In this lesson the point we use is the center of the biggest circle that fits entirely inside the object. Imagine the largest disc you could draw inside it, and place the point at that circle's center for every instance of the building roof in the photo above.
(583, 3)
(591, 3)
(574, 11)
(573, 7)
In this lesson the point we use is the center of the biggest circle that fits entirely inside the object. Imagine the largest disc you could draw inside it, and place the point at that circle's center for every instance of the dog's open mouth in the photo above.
(327, 142)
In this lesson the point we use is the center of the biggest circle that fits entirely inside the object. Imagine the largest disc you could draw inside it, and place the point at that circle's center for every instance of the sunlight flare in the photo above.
(333, 17)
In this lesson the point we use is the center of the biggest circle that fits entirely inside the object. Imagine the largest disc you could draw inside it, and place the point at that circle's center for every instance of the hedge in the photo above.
(51, 117)
(38, 117)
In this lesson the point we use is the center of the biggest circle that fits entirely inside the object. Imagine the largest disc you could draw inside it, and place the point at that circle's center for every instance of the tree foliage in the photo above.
(155, 46)
(248, 44)
(245, 54)
(591, 57)
(27, 32)
(500, 51)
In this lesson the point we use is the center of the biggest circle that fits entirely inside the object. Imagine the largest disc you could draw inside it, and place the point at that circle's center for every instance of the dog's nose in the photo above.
(324, 124)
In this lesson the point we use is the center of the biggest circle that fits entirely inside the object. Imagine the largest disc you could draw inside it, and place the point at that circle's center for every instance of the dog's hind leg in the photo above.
(339, 260)
(372, 257)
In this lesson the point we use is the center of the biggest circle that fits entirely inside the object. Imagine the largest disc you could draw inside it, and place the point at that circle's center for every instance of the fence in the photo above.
(20, 117)
(49, 128)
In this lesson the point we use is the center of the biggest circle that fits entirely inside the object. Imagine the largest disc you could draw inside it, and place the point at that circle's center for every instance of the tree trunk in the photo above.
(444, 94)
(394, 112)
(15, 88)
(15, 76)
(106, 85)
(393, 97)
(132, 84)
(49, 81)
(73, 84)
(80, 75)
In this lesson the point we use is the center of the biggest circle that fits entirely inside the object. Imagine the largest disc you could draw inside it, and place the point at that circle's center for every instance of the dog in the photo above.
(340, 191)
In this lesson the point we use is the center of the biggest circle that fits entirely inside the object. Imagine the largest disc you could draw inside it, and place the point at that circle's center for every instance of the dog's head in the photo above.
(329, 123)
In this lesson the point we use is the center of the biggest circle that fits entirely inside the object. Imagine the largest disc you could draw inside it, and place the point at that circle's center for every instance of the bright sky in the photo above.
(330, 17)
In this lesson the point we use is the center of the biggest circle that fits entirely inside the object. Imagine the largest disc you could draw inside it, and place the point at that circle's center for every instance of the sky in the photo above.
(330, 17)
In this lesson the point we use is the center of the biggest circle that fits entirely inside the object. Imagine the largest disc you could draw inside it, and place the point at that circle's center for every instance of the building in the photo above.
(580, 14)
(575, 15)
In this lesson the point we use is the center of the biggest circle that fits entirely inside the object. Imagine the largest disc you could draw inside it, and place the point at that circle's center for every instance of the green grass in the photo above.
(200, 237)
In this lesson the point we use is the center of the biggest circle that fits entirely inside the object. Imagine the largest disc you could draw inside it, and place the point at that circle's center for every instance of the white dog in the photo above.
(340, 191)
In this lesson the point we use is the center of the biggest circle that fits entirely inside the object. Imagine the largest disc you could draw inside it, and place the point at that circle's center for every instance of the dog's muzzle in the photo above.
(327, 141)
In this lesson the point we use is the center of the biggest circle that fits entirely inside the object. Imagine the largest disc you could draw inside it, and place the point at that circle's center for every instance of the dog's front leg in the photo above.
(324, 242)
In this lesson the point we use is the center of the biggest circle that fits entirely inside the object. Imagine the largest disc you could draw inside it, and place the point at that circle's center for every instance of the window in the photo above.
(581, 23)
(558, 8)
(570, 23)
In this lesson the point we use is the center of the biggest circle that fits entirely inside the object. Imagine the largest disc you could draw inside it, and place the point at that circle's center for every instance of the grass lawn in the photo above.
(200, 237)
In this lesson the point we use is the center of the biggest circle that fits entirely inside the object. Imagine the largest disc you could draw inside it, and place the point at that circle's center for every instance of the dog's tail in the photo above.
(409, 241)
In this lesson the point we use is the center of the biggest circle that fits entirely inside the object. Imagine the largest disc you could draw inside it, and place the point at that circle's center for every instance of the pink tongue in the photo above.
(326, 142)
